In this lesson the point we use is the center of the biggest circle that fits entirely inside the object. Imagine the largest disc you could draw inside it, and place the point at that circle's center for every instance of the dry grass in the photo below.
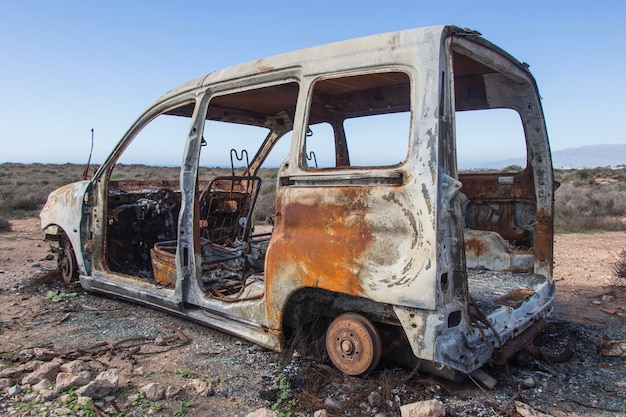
(591, 200)
(619, 267)
(588, 199)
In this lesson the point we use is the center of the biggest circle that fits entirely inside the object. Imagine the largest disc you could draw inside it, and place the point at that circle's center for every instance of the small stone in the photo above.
(65, 398)
(48, 370)
(14, 390)
(608, 298)
(5, 383)
(43, 354)
(132, 398)
(320, 413)
(74, 367)
(203, 388)
(159, 341)
(172, 391)
(30, 397)
(263, 412)
(154, 391)
(10, 372)
(374, 399)
(67, 380)
(430, 408)
(85, 401)
(596, 302)
(529, 382)
(333, 403)
(42, 386)
(97, 389)
(50, 395)
(49, 257)
(61, 411)
(111, 375)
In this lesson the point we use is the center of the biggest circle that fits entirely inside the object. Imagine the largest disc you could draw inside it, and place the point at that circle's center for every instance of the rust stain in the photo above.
(545, 236)
(163, 263)
(320, 243)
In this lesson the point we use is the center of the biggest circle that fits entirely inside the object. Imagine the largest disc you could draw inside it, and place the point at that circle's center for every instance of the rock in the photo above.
(49, 257)
(42, 386)
(374, 399)
(159, 341)
(529, 382)
(74, 367)
(607, 297)
(132, 398)
(614, 348)
(43, 354)
(527, 411)
(172, 391)
(48, 370)
(62, 411)
(67, 380)
(65, 398)
(11, 372)
(203, 388)
(50, 395)
(333, 403)
(263, 412)
(111, 375)
(268, 394)
(84, 401)
(430, 408)
(14, 390)
(320, 413)
(30, 397)
(154, 391)
(5, 383)
(99, 388)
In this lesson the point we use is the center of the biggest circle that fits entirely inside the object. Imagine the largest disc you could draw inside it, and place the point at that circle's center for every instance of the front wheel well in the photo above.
(66, 257)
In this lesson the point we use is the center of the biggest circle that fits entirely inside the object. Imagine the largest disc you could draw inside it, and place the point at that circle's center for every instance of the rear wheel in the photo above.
(353, 344)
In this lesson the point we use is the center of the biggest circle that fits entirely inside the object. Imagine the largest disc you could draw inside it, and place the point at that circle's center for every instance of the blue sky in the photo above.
(69, 66)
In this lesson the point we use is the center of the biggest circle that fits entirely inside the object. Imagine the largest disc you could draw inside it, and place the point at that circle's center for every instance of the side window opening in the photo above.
(358, 121)
(490, 140)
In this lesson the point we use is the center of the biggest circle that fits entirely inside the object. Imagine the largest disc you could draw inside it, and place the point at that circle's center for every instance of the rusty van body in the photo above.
(373, 229)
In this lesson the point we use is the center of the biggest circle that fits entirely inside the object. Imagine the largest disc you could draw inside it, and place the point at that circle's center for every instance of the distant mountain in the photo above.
(590, 156)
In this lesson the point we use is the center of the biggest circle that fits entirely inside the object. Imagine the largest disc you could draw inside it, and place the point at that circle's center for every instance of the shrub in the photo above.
(580, 208)
(619, 268)
(5, 225)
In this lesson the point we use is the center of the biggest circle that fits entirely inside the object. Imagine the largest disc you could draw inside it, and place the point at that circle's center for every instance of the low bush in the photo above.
(619, 268)
(585, 202)
(5, 225)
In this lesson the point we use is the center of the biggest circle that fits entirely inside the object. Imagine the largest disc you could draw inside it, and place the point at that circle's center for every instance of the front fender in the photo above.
(64, 210)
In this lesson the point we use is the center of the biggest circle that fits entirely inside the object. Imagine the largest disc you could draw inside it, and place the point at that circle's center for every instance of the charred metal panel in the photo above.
(64, 208)
(363, 241)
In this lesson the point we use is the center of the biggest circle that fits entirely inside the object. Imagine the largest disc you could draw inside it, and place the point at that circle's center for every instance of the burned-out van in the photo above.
(372, 229)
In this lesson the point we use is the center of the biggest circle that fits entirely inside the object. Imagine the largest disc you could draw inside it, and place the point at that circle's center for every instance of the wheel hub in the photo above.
(353, 344)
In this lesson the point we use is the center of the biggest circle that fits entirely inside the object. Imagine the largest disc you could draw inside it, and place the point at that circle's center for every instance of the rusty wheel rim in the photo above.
(67, 262)
(353, 344)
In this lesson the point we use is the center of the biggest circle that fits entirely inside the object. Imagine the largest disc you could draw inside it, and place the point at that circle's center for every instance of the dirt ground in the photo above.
(589, 303)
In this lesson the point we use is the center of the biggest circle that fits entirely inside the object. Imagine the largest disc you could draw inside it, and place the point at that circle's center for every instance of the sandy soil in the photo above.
(589, 299)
